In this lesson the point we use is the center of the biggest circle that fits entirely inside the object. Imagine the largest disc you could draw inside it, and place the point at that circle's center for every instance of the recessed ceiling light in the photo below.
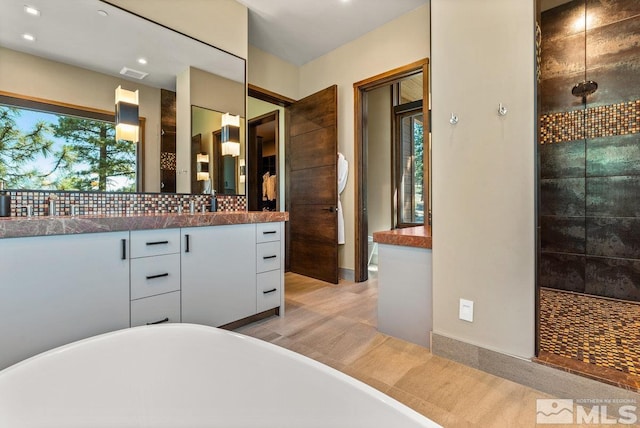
(29, 37)
(31, 10)
(103, 12)
(142, 61)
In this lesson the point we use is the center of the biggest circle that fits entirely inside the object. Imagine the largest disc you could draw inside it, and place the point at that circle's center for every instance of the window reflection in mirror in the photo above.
(50, 147)
(209, 168)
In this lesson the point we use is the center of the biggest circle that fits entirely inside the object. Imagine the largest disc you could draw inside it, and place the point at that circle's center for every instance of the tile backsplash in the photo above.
(95, 203)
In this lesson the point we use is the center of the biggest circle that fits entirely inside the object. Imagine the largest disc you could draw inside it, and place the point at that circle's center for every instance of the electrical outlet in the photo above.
(466, 310)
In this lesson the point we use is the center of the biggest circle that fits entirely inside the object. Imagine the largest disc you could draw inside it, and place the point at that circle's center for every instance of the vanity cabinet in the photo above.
(269, 279)
(218, 274)
(155, 276)
(58, 289)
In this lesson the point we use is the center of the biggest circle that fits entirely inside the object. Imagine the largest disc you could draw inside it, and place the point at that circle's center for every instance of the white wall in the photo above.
(270, 72)
(395, 44)
(221, 23)
(483, 171)
(379, 181)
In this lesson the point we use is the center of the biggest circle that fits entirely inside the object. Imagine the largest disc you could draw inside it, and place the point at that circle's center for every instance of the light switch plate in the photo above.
(466, 310)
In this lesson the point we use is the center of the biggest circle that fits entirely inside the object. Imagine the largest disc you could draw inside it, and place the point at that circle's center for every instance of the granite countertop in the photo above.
(419, 236)
(15, 227)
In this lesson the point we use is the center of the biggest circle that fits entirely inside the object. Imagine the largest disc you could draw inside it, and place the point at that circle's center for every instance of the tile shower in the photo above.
(589, 174)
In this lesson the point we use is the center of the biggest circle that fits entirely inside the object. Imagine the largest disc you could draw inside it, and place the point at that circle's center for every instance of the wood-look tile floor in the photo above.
(336, 325)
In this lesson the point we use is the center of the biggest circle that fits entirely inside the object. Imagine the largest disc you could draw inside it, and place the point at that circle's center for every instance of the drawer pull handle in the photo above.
(162, 275)
(158, 322)
(268, 232)
(270, 291)
(157, 243)
(269, 257)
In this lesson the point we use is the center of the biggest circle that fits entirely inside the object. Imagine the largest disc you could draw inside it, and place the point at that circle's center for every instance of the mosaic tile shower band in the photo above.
(595, 122)
(95, 203)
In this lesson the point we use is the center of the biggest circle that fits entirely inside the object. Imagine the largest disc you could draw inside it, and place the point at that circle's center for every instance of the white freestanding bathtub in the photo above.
(184, 375)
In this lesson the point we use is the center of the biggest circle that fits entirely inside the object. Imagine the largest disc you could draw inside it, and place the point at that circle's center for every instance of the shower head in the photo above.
(584, 88)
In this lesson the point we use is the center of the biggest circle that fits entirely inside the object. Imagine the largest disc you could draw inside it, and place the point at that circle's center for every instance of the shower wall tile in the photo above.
(589, 153)
(612, 156)
(613, 237)
(613, 61)
(616, 43)
(615, 278)
(562, 160)
(562, 234)
(562, 197)
(607, 12)
(617, 83)
(555, 93)
(560, 21)
(613, 196)
(562, 56)
(562, 272)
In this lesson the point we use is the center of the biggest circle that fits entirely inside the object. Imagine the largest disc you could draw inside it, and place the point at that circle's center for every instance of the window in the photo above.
(409, 154)
(50, 147)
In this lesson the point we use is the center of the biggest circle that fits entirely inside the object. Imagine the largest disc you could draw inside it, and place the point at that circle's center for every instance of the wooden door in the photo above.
(313, 186)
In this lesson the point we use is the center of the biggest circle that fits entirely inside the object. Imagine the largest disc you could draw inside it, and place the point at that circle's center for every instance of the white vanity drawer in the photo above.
(267, 256)
(268, 290)
(156, 309)
(267, 232)
(155, 275)
(145, 243)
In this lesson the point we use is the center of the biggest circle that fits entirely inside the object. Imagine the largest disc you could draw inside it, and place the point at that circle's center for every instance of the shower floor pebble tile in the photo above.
(597, 331)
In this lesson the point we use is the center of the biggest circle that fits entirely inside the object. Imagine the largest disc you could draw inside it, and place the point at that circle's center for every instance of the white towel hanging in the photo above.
(343, 172)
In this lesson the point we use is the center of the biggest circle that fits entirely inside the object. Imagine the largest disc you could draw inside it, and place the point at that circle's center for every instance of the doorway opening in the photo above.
(262, 169)
(397, 195)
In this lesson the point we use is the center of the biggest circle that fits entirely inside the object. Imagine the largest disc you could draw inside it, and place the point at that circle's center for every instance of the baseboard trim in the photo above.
(347, 274)
(553, 381)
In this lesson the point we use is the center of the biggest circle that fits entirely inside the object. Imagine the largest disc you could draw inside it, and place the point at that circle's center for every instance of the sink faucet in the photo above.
(29, 209)
(53, 209)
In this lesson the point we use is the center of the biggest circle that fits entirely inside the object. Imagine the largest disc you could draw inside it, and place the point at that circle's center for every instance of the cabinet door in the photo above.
(218, 274)
(58, 289)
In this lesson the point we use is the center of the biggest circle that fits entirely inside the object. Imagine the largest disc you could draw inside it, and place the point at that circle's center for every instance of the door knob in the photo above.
(330, 209)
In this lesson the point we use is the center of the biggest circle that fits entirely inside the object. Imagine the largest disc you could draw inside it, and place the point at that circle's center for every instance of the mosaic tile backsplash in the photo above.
(90, 203)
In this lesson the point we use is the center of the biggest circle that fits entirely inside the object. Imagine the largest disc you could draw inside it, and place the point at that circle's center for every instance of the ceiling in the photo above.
(103, 38)
(299, 31)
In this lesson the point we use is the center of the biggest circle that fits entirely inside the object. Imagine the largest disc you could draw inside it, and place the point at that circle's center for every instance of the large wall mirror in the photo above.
(67, 58)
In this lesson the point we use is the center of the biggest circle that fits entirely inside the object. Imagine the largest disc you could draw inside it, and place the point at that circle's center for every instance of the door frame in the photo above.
(360, 141)
(259, 93)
